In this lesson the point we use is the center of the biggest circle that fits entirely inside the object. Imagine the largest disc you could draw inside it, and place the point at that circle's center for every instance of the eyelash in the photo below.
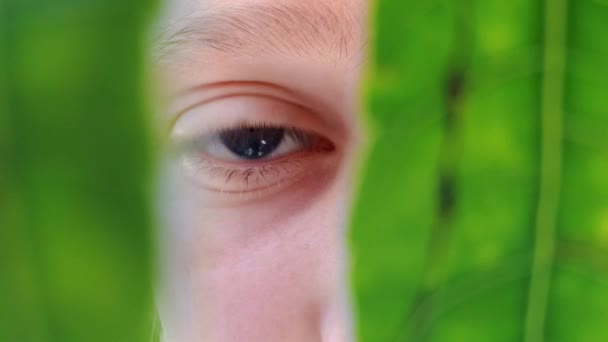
(275, 168)
(293, 132)
(283, 168)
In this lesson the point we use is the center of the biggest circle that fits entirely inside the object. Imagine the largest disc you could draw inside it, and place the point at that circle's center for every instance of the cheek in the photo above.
(281, 278)
(268, 271)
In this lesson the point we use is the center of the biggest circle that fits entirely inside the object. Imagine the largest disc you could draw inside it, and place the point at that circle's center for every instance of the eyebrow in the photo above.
(301, 29)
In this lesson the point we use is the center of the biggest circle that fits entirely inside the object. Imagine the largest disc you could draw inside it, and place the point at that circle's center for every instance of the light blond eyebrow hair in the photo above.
(302, 29)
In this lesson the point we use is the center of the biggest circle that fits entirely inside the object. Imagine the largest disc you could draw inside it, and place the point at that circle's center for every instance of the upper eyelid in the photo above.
(202, 94)
(227, 96)
(206, 92)
(308, 119)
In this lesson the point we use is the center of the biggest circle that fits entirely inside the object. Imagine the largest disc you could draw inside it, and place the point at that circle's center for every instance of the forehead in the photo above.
(284, 27)
(179, 8)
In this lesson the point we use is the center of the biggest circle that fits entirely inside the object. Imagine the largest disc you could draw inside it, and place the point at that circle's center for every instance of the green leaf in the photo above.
(75, 165)
(483, 209)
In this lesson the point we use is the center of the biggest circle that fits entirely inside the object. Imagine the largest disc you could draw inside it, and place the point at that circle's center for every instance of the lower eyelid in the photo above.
(226, 179)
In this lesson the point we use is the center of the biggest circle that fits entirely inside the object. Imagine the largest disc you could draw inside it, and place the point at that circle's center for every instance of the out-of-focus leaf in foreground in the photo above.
(75, 228)
(483, 212)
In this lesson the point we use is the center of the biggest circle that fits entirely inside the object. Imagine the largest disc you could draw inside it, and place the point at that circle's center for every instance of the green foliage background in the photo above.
(483, 212)
(75, 157)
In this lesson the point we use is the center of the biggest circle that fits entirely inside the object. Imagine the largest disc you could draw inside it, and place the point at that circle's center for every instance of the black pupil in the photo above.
(252, 143)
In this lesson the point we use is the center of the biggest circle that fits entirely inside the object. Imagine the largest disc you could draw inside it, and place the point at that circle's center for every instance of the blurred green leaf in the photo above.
(75, 162)
(483, 210)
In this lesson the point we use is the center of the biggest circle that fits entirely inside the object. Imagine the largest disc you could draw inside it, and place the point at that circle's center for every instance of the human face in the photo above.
(261, 112)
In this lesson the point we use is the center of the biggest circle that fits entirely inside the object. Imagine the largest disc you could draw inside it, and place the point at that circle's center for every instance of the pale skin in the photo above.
(254, 244)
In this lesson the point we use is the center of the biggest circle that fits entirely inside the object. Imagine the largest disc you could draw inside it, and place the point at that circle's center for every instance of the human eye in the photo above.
(251, 145)
(251, 142)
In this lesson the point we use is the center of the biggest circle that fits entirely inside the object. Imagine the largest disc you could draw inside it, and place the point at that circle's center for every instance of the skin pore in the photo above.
(254, 241)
